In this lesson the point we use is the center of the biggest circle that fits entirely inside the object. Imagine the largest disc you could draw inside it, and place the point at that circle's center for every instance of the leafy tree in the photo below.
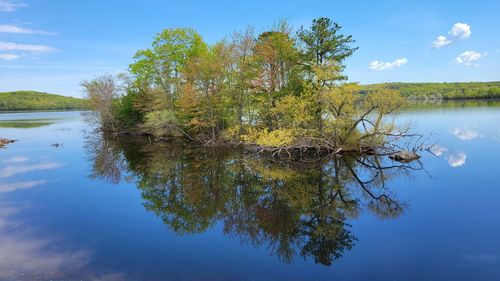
(162, 64)
(276, 56)
(324, 51)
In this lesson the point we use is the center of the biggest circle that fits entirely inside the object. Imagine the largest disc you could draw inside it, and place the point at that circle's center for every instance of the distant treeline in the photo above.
(458, 90)
(31, 100)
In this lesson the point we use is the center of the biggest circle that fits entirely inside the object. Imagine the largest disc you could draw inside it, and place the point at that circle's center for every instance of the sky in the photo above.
(52, 45)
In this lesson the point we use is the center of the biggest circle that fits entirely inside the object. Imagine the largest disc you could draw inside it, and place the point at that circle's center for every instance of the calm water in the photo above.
(98, 208)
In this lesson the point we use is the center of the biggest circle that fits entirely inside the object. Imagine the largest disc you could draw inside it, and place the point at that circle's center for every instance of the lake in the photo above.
(75, 205)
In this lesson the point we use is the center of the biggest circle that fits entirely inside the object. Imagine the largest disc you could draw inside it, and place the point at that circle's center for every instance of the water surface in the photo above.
(100, 208)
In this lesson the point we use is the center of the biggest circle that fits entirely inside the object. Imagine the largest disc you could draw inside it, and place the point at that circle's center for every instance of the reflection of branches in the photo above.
(292, 207)
(108, 163)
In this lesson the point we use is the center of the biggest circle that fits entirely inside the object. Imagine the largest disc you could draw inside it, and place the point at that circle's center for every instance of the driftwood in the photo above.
(404, 156)
(4, 142)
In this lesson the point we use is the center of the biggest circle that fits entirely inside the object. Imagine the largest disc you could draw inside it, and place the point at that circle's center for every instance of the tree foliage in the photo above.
(278, 90)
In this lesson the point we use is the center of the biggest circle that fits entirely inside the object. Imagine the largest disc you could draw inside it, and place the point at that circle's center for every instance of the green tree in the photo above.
(276, 57)
(324, 50)
(162, 64)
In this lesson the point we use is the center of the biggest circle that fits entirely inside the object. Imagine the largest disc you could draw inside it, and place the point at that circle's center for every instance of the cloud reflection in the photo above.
(480, 258)
(438, 150)
(27, 255)
(465, 134)
(10, 187)
(16, 159)
(457, 160)
(24, 256)
(10, 171)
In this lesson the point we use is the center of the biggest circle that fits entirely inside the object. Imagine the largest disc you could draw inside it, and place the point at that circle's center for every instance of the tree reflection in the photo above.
(294, 208)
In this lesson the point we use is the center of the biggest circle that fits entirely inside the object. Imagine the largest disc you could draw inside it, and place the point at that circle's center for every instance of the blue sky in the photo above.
(52, 45)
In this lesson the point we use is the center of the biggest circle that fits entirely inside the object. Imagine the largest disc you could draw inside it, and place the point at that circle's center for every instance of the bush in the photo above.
(161, 123)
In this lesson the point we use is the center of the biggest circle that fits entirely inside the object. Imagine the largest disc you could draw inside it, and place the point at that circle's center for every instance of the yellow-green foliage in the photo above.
(160, 123)
(266, 138)
(294, 112)
(385, 101)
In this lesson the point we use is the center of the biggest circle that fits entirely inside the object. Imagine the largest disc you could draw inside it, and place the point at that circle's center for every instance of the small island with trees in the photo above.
(278, 91)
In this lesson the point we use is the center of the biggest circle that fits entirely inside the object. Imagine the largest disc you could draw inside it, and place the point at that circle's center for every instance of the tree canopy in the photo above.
(279, 90)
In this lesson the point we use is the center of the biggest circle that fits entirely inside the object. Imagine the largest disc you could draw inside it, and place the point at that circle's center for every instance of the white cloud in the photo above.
(441, 41)
(380, 65)
(10, 6)
(467, 57)
(457, 160)
(458, 31)
(465, 134)
(5, 28)
(11, 46)
(9, 56)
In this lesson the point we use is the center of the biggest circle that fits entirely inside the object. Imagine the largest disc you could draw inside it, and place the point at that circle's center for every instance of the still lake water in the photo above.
(122, 209)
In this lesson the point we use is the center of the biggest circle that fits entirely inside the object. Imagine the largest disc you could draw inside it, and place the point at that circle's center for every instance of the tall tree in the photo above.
(324, 50)
(242, 72)
(276, 56)
(162, 64)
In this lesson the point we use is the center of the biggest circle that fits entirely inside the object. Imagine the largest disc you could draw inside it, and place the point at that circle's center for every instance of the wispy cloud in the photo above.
(16, 47)
(9, 56)
(468, 57)
(7, 28)
(457, 160)
(458, 31)
(380, 65)
(10, 6)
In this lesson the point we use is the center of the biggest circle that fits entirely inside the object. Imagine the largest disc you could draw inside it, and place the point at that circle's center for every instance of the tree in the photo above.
(324, 51)
(162, 64)
(242, 72)
(102, 93)
(207, 74)
(276, 56)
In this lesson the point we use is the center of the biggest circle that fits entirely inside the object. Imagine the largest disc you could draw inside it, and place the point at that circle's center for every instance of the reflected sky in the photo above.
(69, 214)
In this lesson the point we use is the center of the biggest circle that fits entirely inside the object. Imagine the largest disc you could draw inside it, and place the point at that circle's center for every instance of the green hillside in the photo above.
(31, 100)
(459, 90)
